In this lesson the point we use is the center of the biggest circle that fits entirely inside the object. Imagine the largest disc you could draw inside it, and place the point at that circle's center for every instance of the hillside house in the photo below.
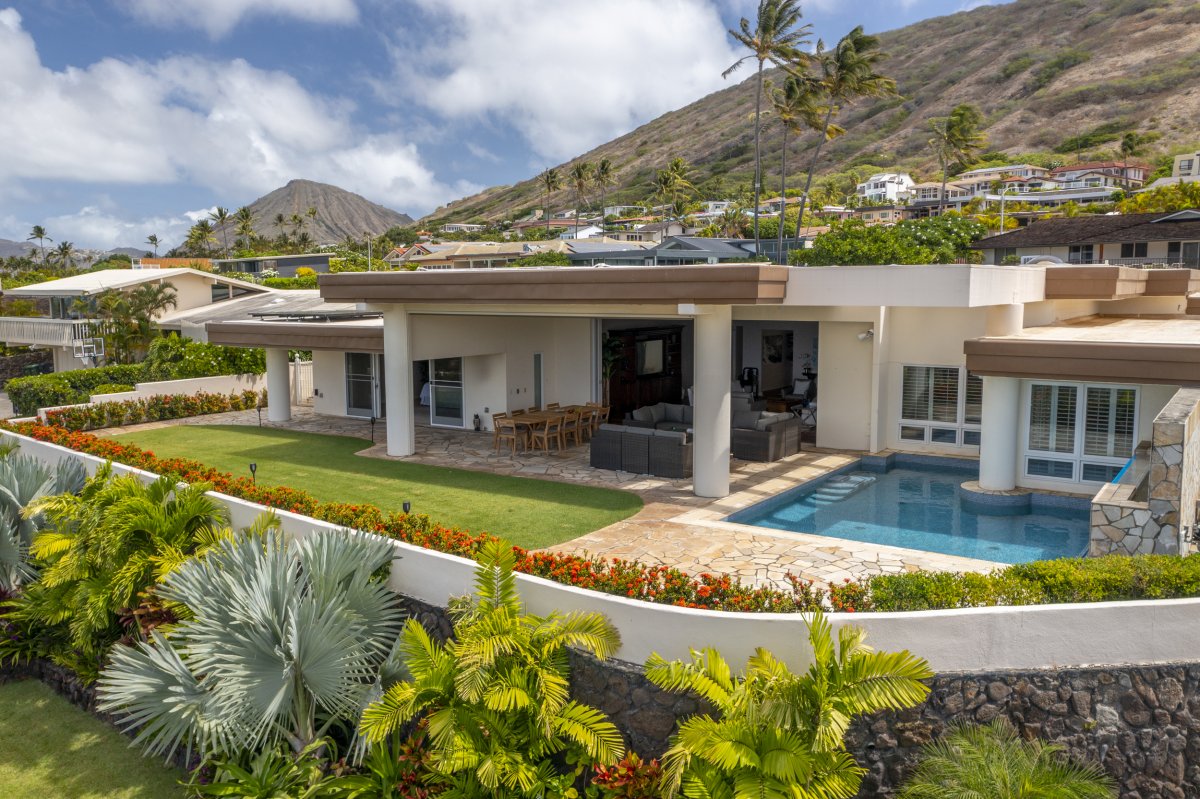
(283, 265)
(885, 187)
(1159, 239)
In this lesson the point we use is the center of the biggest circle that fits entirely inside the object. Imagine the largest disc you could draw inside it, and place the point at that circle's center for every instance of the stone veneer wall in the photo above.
(1141, 722)
(1127, 527)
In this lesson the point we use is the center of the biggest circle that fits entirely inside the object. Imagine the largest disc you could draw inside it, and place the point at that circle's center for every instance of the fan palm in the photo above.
(779, 735)
(551, 182)
(284, 641)
(796, 105)
(496, 697)
(25, 481)
(846, 73)
(777, 37)
(581, 176)
(38, 234)
(956, 140)
(993, 762)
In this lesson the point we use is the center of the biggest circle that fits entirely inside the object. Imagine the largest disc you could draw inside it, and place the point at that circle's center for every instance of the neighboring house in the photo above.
(462, 227)
(885, 187)
(658, 231)
(284, 265)
(1050, 376)
(1185, 169)
(583, 232)
(1126, 175)
(924, 199)
(557, 225)
(68, 326)
(1129, 239)
(881, 214)
(203, 264)
(980, 181)
(608, 251)
(623, 210)
(401, 255)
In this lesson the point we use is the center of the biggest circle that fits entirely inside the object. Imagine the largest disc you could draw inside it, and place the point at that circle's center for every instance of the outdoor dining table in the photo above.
(535, 419)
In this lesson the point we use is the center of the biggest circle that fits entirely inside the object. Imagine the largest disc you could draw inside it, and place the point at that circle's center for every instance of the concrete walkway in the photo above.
(675, 527)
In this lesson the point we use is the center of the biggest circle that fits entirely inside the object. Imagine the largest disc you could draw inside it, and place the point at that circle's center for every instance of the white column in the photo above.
(1004, 320)
(279, 385)
(999, 433)
(713, 355)
(398, 382)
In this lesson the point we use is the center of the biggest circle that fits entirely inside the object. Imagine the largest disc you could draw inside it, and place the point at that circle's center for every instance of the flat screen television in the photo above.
(650, 357)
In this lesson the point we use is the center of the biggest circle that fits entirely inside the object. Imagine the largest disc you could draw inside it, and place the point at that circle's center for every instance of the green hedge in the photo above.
(1110, 578)
(169, 358)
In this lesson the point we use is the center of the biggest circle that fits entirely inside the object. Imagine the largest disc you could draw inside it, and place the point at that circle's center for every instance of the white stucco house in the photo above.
(885, 187)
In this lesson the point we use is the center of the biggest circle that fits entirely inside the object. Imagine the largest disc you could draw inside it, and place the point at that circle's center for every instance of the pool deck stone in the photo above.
(675, 527)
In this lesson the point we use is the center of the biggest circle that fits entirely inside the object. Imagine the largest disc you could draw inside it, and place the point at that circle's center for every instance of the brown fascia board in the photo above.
(1171, 282)
(716, 284)
(1166, 364)
(1094, 282)
(297, 336)
(1193, 304)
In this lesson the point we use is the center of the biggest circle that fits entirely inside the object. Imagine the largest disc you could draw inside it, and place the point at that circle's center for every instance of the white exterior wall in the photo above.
(329, 381)
(191, 291)
(845, 386)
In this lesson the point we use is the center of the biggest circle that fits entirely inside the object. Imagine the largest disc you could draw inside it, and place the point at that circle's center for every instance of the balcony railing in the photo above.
(46, 332)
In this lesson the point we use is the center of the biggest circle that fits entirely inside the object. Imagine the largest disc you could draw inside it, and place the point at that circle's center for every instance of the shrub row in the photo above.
(613, 576)
(28, 394)
(153, 409)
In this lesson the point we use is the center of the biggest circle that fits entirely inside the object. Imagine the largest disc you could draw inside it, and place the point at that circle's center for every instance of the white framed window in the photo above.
(940, 405)
(1079, 432)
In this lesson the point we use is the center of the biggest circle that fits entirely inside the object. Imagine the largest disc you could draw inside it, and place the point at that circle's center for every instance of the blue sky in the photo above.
(130, 117)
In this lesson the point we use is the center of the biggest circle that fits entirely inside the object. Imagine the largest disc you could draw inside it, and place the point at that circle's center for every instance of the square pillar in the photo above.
(279, 385)
(398, 382)
(999, 432)
(713, 354)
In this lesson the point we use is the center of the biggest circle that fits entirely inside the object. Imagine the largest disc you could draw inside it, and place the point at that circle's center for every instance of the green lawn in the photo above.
(49, 748)
(528, 512)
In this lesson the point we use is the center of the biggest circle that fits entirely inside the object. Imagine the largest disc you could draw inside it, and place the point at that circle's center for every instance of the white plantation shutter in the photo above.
(930, 393)
(1052, 418)
(1109, 423)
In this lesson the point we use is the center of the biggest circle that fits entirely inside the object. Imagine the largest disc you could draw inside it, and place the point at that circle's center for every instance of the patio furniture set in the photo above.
(547, 428)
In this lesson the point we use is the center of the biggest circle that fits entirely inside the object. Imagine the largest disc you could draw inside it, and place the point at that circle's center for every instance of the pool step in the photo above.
(838, 488)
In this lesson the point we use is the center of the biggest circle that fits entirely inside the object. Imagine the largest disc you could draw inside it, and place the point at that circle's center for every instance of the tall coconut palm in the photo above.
(64, 254)
(777, 37)
(956, 140)
(551, 182)
(672, 187)
(604, 179)
(796, 105)
(200, 238)
(153, 241)
(38, 234)
(847, 73)
(244, 219)
(779, 734)
(580, 177)
(992, 761)
(220, 218)
(314, 628)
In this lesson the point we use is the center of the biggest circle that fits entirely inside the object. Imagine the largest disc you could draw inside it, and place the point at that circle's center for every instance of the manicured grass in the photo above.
(50, 748)
(531, 513)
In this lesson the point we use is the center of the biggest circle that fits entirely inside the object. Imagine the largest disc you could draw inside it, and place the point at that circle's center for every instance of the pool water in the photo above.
(919, 507)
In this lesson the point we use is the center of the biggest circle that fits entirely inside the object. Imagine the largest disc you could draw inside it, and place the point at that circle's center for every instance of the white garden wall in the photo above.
(975, 640)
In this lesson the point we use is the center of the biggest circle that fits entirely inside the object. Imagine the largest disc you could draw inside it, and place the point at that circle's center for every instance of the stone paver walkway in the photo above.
(675, 527)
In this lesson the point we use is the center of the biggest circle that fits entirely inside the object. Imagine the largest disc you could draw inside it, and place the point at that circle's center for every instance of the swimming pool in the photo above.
(918, 505)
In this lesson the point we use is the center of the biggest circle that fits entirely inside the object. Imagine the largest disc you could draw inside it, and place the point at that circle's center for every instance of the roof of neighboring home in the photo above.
(1098, 165)
(1158, 184)
(1096, 229)
(604, 244)
(274, 257)
(721, 248)
(171, 263)
(242, 308)
(106, 279)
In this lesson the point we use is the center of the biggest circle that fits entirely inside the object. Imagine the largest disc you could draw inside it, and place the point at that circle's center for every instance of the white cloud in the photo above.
(219, 17)
(104, 228)
(228, 126)
(567, 75)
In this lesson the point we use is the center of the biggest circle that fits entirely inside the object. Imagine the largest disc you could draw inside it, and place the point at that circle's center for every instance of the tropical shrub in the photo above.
(993, 762)
(152, 409)
(274, 773)
(779, 735)
(101, 550)
(28, 394)
(25, 481)
(174, 358)
(496, 697)
(112, 388)
(940, 239)
(282, 642)
(632, 778)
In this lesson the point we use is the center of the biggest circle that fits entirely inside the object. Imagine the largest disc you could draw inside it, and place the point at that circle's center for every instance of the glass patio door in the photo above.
(364, 384)
(446, 392)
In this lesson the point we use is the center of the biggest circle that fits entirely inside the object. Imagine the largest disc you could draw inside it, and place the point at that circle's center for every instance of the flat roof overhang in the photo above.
(1097, 349)
(711, 284)
(339, 337)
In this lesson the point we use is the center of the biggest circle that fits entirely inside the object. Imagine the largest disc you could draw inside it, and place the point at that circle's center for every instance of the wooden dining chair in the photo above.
(571, 427)
(600, 416)
(506, 430)
(544, 435)
(534, 409)
(552, 406)
(517, 412)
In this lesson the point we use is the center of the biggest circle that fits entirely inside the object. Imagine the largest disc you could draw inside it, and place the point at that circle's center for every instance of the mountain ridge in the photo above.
(340, 213)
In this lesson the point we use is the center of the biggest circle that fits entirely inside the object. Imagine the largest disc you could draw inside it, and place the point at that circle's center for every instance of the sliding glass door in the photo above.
(364, 385)
(446, 392)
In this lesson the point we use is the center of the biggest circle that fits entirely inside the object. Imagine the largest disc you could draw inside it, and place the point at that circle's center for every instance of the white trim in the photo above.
(1076, 456)
(960, 426)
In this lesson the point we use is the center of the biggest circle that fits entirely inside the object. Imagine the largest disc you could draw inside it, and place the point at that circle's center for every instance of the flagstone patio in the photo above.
(675, 527)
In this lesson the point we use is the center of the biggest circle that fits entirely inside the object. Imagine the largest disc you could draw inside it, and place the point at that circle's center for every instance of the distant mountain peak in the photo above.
(340, 213)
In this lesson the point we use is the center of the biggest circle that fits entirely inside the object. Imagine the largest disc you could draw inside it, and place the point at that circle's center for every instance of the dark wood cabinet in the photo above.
(628, 389)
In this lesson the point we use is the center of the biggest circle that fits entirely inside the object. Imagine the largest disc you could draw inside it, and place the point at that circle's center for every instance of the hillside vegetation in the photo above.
(1069, 76)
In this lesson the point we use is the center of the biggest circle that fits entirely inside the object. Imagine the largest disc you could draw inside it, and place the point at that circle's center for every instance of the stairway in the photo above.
(836, 489)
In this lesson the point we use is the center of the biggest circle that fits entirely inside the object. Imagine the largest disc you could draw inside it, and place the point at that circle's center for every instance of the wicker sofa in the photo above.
(754, 435)
(642, 450)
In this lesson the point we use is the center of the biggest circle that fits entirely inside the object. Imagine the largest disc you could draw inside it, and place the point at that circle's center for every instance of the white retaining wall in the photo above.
(220, 384)
(973, 639)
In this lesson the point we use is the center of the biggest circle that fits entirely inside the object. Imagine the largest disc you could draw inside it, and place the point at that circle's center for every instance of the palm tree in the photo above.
(777, 37)
(847, 73)
(153, 241)
(551, 182)
(581, 179)
(992, 762)
(314, 628)
(673, 186)
(200, 237)
(281, 223)
(956, 139)
(796, 106)
(496, 694)
(604, 178)
(731, 222)
(39, 234)
(220, 217)
(779, 734)
(64, 253)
